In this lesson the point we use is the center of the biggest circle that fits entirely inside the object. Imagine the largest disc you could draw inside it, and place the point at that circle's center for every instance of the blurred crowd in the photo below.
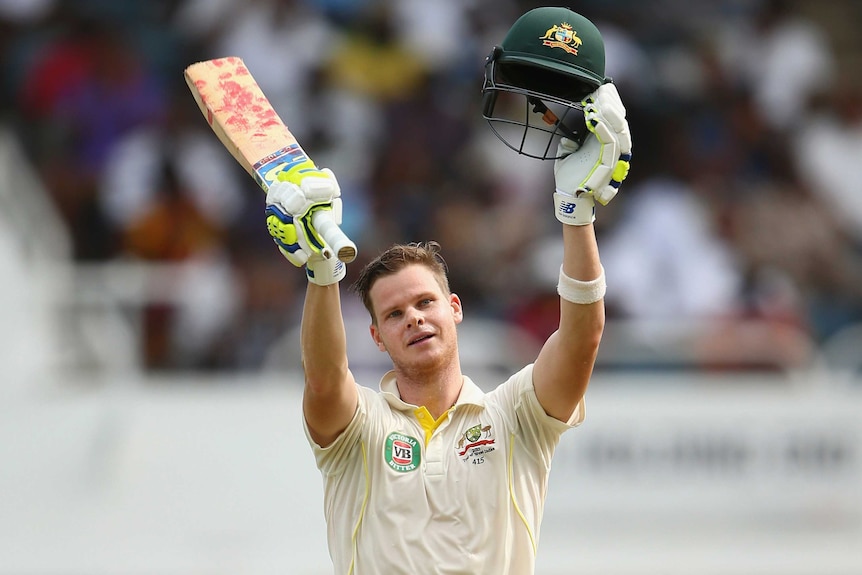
(744, 200)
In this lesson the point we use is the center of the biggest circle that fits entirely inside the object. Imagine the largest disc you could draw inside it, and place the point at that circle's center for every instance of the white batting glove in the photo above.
(296, 237)
(297, 191)
(596, 170)
(293, 197)
(291, 201)
(299, 242)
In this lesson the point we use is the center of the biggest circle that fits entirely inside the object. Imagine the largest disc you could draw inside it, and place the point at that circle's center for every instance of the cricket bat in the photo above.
(246, 123)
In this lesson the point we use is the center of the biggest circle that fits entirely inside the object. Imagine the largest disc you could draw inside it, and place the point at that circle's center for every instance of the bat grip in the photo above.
(344, 247)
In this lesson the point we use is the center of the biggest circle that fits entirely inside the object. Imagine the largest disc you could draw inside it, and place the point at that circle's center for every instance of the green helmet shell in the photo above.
(559, 40)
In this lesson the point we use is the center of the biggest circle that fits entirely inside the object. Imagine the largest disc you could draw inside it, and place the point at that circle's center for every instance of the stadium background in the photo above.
(149, 388)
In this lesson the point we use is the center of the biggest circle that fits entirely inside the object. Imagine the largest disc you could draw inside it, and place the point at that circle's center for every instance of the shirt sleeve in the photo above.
(536, 431)
(333, 459)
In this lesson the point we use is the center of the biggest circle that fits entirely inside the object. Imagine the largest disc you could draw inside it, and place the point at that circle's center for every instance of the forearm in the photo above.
(582, 324)
(330, 396)
(324, 342)
(581, 253)
(565, 364)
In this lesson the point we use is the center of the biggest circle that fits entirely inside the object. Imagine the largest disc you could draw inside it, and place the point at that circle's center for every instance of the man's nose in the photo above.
(415, 317)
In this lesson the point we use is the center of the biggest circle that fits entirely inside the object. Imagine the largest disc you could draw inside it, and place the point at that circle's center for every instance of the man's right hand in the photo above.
(298, 189)
(291, 203)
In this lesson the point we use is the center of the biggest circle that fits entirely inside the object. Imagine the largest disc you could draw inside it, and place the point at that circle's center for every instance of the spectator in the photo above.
(827, 149)
(85, 91)
(785, 58)
(171, 194)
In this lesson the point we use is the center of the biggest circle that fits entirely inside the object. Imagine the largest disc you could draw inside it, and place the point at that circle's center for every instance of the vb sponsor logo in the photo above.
(402, 452)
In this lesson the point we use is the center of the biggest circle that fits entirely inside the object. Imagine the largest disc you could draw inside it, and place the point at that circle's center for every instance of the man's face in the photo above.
(415, 319)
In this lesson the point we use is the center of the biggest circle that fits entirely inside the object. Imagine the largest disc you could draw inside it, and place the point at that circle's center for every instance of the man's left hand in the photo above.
(597, 169)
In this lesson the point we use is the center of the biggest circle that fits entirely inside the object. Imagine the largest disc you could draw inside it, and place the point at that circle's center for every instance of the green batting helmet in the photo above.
(554, 58)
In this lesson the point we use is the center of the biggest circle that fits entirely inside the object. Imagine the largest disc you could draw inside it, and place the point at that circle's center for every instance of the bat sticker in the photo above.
(267, 169)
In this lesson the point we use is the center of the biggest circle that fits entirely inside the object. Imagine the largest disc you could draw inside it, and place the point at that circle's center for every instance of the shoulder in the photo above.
(517, 397)
(511, 390)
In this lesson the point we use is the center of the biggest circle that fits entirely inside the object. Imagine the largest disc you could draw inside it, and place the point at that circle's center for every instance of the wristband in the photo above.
(581, 292)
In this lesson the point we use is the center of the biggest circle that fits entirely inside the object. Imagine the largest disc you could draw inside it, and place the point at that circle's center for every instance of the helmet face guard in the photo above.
(549, 61)
(529, 121)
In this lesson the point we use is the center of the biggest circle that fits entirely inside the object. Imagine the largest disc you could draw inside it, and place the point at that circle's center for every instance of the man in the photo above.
(431, 475)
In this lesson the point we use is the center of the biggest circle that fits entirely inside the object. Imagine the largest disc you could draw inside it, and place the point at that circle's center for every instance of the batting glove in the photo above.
(302, 187)
(297, 193)
(595, 170)
(299, 242)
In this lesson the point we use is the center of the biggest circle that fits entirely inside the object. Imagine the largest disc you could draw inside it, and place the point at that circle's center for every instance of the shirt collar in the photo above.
(470, 394)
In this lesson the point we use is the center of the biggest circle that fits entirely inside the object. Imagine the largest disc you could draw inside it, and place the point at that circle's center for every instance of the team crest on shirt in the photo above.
(475, 443)
(402, 452)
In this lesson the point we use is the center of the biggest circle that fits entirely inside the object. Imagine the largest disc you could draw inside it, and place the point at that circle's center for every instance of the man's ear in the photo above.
(375, 335)
(457, 311)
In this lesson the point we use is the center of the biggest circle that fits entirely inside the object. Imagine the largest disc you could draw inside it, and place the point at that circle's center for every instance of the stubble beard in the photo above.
(429, 369)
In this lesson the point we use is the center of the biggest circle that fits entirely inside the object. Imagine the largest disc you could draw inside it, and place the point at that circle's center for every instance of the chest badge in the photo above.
(402, 452)
(475, 443)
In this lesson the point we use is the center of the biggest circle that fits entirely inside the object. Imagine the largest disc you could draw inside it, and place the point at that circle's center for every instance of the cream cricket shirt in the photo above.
(407, 495)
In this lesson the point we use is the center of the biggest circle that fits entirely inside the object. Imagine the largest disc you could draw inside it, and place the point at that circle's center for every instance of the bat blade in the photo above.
(245, 121)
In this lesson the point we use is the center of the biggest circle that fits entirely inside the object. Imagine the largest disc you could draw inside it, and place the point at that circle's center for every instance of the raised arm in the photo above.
(330, 397)
(586, 174)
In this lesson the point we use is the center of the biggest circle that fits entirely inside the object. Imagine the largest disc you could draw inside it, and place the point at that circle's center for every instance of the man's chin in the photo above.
(424, 360)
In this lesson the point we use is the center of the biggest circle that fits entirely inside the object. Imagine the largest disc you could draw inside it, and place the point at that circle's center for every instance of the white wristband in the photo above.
(581, 292)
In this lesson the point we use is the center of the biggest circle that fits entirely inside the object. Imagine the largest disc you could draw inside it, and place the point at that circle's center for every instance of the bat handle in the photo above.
(344, 247)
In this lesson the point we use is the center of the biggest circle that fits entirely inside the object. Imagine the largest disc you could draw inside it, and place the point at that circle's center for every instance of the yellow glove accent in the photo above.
(286, 233)
(299, 171)
(621, 170)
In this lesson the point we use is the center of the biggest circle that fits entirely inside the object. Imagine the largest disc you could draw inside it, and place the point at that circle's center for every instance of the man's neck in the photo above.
(437, 391)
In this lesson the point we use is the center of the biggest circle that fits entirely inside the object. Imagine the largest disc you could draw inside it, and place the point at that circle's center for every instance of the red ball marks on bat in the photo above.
(237, 97)
(238, 122)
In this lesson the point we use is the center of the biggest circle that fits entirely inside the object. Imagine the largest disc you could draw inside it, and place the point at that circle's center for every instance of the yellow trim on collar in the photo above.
(423, 416)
